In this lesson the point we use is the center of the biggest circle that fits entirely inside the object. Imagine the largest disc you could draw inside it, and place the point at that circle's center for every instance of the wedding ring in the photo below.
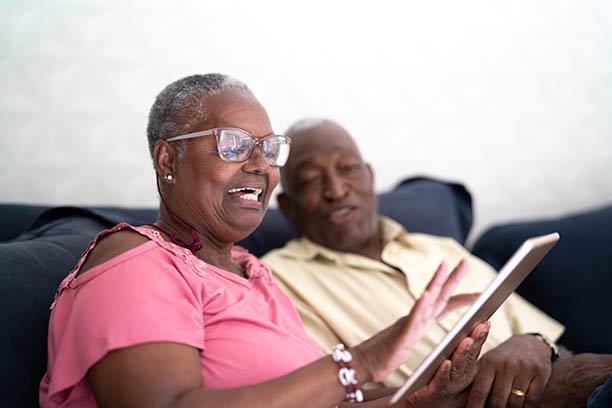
(517, 392)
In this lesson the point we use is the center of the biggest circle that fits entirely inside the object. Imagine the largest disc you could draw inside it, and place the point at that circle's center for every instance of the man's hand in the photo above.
(574, 378)
(514, 374)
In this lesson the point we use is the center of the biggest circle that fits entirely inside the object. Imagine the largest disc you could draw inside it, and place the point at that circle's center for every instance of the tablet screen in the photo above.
(510, 276)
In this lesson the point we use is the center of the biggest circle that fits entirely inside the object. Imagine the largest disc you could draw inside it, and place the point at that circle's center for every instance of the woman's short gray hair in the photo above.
(182, 104)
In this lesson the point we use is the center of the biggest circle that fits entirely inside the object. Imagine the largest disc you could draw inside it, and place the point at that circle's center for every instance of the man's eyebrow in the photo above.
(304, 163)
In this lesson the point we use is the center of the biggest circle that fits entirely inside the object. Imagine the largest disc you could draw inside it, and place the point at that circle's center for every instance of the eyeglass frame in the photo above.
(258, 142)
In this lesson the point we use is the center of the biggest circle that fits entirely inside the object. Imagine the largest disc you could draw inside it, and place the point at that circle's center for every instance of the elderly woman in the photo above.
(174, 315)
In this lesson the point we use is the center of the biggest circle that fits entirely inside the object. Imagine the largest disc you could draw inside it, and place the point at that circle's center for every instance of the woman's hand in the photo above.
(448, 387)
(381, 354)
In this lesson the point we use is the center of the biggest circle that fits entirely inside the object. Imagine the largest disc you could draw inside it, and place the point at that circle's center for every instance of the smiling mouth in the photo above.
(340, 215)
(246, 193)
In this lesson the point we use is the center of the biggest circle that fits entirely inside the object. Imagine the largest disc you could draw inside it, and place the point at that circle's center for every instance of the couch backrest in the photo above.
(573, 283)
(33, 264)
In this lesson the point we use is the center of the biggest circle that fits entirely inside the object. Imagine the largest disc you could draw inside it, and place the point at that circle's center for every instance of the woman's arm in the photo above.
(170, 374)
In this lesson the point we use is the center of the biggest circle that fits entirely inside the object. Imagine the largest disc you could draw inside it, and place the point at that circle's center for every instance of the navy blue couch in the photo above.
(573, 283)
(39, 245)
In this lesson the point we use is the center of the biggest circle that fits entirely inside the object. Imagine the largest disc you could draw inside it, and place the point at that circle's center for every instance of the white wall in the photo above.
(513, 98)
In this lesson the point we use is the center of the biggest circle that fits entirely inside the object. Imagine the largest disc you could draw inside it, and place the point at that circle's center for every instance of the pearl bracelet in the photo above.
(347, 374)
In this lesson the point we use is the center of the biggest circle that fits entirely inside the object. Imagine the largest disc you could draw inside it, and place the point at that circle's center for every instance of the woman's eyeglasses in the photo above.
(236, 145)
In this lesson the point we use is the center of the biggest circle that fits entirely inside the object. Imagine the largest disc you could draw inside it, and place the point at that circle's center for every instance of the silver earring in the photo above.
(168, 177)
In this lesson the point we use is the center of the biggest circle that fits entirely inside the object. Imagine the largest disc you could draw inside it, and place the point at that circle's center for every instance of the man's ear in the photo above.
(284, 203)
(369, 168)
(164, 158)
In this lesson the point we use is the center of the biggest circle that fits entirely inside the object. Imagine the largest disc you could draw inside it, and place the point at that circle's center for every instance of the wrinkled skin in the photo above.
(449, 386)
(329, 191)
(574, 379)
(522, 362)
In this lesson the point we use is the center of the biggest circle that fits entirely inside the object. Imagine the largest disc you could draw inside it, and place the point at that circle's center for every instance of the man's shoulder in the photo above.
(295, 250)
(428, 241)
(437, 239)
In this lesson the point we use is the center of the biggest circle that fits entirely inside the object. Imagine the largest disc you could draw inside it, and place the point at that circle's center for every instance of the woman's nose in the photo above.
(257, 162)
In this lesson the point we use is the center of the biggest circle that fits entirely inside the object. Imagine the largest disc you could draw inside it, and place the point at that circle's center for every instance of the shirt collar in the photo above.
(393, 231)
(304, 248)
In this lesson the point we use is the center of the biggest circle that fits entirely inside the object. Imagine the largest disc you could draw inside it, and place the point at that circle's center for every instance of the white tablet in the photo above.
(510, 276)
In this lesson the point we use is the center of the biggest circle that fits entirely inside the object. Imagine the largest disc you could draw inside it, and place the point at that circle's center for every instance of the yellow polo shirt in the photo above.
(346, 298)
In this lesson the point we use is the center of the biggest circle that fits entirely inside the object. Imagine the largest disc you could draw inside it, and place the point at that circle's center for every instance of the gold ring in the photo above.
(517, 392)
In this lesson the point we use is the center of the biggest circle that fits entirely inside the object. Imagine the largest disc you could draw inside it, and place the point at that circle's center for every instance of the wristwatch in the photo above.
(554, 350)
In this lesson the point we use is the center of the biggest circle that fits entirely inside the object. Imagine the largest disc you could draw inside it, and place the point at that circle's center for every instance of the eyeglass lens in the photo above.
(236, 146)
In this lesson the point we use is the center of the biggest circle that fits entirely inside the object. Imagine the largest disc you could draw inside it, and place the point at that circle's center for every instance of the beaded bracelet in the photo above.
(347, 374)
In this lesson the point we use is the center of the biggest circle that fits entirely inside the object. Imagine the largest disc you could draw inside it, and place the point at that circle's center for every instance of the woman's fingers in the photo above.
(441, 287)
(450, 284)
(456, 302)
(460, 358)
(386, 350)
(479, 335)
(455, 277)
(436, 301)
(438, 281)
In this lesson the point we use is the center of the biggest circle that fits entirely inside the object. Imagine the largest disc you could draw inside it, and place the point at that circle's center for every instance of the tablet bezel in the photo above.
(510, 276)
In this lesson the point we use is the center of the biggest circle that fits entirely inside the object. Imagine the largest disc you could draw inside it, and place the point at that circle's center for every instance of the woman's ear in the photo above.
(164, 158)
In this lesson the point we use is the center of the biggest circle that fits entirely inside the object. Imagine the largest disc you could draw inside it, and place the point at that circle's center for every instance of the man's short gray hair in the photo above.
(305, 124)
(182, 104)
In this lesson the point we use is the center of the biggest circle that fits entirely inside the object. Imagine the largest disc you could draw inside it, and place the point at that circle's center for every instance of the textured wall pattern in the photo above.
(512, 98)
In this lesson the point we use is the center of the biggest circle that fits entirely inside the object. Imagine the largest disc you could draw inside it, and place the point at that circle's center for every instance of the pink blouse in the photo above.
(247, 330)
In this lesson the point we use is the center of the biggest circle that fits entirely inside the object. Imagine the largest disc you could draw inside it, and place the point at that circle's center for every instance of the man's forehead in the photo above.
(324, 137)
(318, 150)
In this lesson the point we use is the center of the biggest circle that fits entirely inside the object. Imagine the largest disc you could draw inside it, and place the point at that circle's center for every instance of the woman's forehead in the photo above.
(236, 108)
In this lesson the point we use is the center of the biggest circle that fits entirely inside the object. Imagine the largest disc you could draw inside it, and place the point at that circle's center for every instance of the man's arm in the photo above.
(574, 378)
(524, 365)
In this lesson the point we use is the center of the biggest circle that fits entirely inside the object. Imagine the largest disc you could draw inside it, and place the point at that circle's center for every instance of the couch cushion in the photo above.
(423, 204)
(573, 283)
(16, 218)
(31, 268)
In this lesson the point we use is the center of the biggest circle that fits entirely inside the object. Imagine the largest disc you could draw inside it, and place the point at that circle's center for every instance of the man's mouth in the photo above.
(246, 193)
(340, 215)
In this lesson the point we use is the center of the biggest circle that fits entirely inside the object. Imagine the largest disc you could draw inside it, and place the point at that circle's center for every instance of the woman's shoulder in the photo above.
(112, 243)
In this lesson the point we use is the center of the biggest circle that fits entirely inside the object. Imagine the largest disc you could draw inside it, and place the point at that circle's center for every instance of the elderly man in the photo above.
(354, 271)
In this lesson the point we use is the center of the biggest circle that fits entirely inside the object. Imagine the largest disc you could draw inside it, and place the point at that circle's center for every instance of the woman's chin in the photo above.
(245, 224)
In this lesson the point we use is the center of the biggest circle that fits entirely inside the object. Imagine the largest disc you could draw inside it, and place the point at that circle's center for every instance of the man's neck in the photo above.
(371, 248)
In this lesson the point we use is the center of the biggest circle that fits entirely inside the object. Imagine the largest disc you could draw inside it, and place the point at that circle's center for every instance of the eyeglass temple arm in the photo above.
(191, 135)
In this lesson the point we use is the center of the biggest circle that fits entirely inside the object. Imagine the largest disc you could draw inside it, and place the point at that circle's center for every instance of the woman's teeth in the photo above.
(246, 193)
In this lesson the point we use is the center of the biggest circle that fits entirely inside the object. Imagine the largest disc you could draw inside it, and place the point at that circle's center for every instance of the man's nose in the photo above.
(335, 187)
